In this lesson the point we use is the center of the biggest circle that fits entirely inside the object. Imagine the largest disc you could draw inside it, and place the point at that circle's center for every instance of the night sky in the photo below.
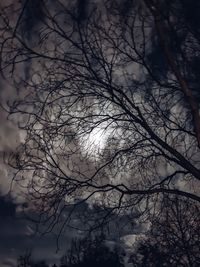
(18, 234)
(18, 237)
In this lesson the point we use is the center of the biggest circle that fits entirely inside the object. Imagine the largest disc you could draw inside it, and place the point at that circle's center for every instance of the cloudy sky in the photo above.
(17, 237)
(17, 234)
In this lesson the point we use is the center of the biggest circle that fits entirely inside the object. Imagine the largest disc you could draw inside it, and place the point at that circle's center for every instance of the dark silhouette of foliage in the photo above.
(90, 252)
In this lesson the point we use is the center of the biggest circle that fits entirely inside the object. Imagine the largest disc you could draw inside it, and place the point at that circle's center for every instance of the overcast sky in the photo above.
(17, 235)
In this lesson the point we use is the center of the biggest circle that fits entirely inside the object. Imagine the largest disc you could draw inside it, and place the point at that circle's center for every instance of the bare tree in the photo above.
(108, 101)
(173, 239)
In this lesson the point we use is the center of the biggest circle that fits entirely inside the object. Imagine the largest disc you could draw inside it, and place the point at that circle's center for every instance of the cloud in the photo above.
(17, 236)
(8, 262)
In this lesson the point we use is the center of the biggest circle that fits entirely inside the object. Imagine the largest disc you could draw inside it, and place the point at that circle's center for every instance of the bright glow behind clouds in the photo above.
(95, 141)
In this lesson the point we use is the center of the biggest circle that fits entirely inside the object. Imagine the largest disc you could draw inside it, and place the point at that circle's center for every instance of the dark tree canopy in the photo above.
(90, 252)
